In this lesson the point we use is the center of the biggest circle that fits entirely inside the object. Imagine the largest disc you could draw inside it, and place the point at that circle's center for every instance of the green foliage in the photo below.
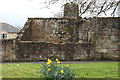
(53, 71)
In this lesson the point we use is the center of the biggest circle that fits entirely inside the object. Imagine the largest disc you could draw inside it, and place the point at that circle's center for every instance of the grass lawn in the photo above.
(83, 70)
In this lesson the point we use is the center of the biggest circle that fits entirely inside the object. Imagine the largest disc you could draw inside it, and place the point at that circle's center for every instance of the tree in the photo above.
(92, 7)
(118, 12)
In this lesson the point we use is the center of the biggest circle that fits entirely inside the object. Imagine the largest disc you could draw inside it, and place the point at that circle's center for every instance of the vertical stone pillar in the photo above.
(71, 10)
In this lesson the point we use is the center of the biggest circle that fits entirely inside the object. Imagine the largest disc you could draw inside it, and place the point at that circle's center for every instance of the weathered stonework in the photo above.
(35, 51)
(8, 46)
(50, 30)
(68, 38)
(108, 37)
(71, 11)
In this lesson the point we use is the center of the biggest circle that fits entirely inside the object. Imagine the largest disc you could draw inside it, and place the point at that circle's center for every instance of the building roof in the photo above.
(8, 28)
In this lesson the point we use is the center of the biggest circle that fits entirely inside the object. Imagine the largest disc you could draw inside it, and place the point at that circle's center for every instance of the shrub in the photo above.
(53, 71)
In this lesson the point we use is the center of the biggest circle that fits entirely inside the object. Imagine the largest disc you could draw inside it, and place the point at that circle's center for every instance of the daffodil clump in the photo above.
(52, 70)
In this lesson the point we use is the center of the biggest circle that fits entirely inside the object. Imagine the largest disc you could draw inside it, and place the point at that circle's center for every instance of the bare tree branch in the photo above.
(115, 8)
(95, 7)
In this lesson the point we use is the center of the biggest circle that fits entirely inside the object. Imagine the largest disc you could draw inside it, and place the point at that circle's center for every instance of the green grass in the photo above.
(83, 70)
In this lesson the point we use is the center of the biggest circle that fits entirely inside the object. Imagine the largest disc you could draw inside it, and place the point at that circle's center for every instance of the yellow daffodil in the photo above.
(49, 69)
(58, 62)
(62, 71)
(49, 60)
(56, 59)
(49, 63)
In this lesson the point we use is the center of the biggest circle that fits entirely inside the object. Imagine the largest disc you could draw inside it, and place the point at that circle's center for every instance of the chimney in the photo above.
(71, 10)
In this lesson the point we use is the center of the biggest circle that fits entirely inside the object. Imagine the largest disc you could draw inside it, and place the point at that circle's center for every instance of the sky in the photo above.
(16, 12)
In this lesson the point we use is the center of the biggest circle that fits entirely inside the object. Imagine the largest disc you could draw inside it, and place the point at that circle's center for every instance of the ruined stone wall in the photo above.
(107, 37)
(104, 33)
(71, 10)
(66, 39)
(8, 48)
(55, 30)
(37, 51)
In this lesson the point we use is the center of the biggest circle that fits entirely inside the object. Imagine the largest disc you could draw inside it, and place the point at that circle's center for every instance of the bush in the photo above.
(53, 71)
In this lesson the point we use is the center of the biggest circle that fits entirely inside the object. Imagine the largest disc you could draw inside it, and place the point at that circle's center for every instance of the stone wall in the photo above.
(107, 37)
(90, 39)
(37, 51)
(55, 30)
(71, 11)
(68, 38)
(8, 49)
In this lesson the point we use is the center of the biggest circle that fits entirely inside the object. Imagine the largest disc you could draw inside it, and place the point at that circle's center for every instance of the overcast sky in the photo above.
(16, 12)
